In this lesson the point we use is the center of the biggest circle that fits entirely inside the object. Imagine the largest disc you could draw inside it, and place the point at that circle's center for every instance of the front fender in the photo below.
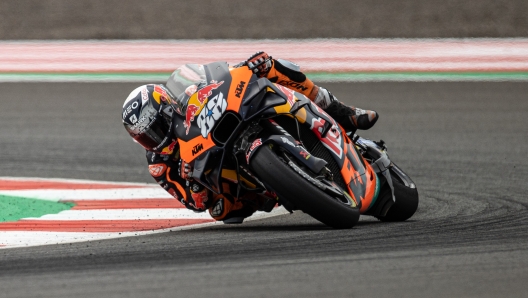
(289, 144)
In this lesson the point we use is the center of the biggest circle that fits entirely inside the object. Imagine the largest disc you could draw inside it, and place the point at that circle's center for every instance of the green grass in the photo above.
(15, 208)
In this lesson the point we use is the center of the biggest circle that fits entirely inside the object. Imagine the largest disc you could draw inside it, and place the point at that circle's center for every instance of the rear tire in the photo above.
(300, 192)
(406, 202)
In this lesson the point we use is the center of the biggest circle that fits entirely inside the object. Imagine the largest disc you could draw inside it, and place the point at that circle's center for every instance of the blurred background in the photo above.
(180, 19)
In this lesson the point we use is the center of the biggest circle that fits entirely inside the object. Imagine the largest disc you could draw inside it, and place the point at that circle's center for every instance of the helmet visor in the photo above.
(153, 135)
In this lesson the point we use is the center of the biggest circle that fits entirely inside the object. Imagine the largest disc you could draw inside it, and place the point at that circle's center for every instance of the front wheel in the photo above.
(295, 188)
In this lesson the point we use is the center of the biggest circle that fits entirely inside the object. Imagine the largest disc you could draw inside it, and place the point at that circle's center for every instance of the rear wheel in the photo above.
(293, 184)
(406, 199)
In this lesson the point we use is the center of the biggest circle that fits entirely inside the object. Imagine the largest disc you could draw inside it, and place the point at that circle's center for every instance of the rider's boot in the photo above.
(350, 118)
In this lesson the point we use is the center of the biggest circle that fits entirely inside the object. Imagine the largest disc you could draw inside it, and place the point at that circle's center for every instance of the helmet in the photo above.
(147, 117)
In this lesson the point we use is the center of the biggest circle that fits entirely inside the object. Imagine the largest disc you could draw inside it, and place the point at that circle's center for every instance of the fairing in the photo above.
(246, 98)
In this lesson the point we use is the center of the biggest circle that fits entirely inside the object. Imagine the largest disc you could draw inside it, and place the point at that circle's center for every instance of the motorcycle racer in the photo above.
(147, 117)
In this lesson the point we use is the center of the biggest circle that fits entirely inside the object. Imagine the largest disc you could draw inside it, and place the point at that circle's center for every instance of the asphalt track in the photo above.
(464, 144)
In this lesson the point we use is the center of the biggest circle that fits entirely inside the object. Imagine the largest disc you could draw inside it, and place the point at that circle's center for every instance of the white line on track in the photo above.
(125, 214)
(90, 194)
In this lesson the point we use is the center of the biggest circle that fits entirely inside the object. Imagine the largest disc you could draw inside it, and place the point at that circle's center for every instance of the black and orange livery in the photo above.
(217, 133)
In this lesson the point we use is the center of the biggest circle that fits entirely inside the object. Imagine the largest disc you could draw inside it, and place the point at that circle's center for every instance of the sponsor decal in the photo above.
(286, 141)
(144, 95)
(305, 154)
(133, 119)
(206, 91)
(157, 169)
(196, 187)
(290, 94)
(256, 143)
(141, 120)
(332, 140)
(129, 109)
(200, 199)
(292, 84)
(210, 113)
(189, 116)
(197, 103)
(169, 149)
(218, 208)
(197, 149)
(239, 88)
(160, 94)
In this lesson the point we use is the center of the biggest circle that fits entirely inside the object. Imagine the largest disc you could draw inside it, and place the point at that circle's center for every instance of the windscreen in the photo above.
(184, 82)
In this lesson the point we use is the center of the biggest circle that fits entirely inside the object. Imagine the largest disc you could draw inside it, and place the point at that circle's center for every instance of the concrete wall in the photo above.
(180, 19)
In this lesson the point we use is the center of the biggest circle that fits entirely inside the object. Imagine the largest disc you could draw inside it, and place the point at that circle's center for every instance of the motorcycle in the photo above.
(232, 125)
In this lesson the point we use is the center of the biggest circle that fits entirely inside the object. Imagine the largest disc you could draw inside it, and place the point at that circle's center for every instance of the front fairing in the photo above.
(222, 92)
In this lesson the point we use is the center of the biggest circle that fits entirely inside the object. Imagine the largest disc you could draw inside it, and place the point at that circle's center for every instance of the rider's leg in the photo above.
(351, 118)
(289, 74)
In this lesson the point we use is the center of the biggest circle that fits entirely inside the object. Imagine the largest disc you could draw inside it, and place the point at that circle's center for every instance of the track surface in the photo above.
(464, 144)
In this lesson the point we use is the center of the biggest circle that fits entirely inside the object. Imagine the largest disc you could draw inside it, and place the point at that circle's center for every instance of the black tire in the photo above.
(300, 192)
(406, 202)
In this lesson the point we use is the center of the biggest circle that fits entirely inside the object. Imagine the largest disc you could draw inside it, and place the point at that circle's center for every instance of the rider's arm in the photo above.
(283, 72)
(166, 170)
(288, 74)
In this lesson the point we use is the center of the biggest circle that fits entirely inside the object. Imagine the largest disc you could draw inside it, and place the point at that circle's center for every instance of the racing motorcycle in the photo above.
(265, 137)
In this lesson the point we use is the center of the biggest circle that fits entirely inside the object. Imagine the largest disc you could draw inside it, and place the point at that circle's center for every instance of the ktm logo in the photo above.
(197, 149)
(293, 84)
(239, 88)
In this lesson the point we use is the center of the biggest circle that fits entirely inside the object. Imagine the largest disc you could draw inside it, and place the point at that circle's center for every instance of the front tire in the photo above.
(303, 194)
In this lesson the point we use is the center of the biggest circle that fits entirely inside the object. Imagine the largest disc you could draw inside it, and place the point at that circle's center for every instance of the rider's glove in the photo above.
(185, 170)
(260, 63)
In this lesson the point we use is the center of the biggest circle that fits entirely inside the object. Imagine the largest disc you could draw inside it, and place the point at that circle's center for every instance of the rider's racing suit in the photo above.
(171, 172)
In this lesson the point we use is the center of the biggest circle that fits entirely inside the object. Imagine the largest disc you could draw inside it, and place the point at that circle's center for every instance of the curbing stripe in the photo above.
(98, 225)
(103, 211)
(125, 214)
(126, 204)
(9, 184)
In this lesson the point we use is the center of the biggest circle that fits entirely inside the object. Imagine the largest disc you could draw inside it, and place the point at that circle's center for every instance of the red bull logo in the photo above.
(169, 149)
(161, 94)
(206, 91)
(200, 199)
(189, 116)
(196, 103)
